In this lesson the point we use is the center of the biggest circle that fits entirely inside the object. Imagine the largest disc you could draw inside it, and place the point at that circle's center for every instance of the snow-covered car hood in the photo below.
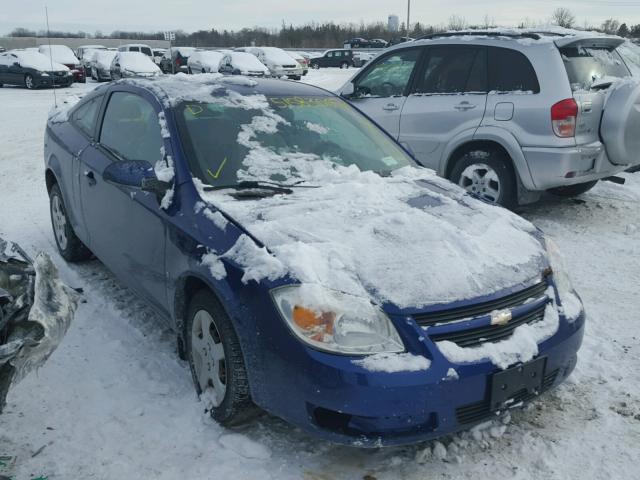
(410, 240)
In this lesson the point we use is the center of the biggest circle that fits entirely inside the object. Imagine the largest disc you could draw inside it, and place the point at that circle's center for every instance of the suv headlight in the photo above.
(336, 322)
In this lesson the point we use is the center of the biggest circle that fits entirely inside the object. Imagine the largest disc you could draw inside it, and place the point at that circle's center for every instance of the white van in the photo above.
(137, 47)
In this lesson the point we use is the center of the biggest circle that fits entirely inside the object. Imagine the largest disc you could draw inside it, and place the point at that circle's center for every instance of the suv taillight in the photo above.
(563, 118)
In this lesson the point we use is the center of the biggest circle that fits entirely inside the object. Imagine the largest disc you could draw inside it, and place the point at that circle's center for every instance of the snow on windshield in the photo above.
(136, 62)
(59, 53)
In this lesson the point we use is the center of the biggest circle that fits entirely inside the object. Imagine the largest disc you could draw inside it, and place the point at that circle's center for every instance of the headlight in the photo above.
(571, 304)
(44, 74)
(336, 322)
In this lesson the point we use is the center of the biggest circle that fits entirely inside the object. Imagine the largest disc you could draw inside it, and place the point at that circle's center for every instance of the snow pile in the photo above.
(216, 217)
(394, 362)
(215, 265)
(522, 346)
(162, 120)
(244, 446)
(257, 262)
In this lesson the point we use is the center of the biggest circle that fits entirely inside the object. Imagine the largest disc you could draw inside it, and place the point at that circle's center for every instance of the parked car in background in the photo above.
(101, 65)
(341, 58)
(279, 62)
(204, 61)
(378, 43)
(64, 55)
(362, 58)
(357, 43)
(357, 337)
(32, 70)
(2, 49)
(158, 53)
(87, 61)
(302, 61)
(175, 60)
(136, 47)
(243, 63)
(397, 40)
(504, 118)
(86, 50)
(133, 64)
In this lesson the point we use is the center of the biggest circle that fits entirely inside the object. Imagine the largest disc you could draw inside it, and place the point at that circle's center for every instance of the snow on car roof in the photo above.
(36, 60)
(60, 53)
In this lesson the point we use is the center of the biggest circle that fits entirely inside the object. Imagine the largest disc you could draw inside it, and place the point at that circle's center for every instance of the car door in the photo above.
(381, 90)
(448, 98)
(4, 68)
(15, 72)
(126, 226)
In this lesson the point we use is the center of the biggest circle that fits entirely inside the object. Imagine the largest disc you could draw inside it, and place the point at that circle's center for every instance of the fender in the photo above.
(75, 218)
(456, 142)
(512, 147)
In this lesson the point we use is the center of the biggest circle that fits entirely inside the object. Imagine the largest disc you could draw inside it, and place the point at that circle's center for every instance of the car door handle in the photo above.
(91, 178)
(390, 107)
(464, 106)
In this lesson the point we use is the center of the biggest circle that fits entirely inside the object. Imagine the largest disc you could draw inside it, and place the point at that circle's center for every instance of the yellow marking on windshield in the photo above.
(285, 102)
(217, 174)
(195, 110)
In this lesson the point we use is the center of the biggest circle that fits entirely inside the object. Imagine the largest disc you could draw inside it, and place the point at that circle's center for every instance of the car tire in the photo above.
(573, 190)
(28, 82)
(344, 65)
(315, 66)
(224, 375)
(69, 245)
(487, 174)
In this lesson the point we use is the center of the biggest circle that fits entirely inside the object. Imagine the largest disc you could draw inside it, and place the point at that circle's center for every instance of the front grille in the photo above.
(289, 66)
(476, 412)
(489, 333)
(480, 309)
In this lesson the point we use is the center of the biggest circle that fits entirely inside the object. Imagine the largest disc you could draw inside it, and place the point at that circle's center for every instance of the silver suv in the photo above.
(507, 115)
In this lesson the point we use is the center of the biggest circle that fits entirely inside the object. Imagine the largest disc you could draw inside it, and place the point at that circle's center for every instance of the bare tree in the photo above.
(610, 26)
(457, 23)
(563, 17)
(488, 22)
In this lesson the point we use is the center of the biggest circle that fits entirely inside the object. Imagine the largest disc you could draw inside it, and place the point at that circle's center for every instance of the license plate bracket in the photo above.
(506, 384)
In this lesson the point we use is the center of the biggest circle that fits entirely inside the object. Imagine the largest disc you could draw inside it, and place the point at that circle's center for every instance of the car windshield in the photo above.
(281, 139)
(585, 65)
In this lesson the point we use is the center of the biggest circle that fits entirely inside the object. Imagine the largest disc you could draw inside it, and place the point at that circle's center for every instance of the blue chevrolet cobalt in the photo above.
(308, 265)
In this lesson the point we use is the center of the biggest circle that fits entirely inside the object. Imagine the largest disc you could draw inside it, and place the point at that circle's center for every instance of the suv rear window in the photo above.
(511, 71)
(587, 64)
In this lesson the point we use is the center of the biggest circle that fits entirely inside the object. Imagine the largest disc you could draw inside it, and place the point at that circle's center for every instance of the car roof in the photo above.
(173, 87)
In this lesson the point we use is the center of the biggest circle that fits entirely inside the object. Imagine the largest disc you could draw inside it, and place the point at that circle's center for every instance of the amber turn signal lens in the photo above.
(312, 322)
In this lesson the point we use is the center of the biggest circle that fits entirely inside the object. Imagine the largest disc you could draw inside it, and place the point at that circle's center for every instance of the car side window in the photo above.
(389, 76)
(134, 49)
(449, 69)
(131, 128)
(84, 117)
(511, 71)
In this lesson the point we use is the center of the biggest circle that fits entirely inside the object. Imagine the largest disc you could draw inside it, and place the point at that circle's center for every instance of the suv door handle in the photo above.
(390, 107)
(464, 106)
(91, 178)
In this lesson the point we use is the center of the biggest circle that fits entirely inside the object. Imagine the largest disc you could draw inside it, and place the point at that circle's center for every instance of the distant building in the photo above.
(394, 23)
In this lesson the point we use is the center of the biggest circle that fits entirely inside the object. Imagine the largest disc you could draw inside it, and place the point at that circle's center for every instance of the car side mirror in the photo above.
(16, 64)
(348, 90)
(158, 187)
(128, 173)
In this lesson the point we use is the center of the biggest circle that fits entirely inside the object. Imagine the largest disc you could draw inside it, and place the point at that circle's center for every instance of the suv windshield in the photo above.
(281, 138)
(585, 65)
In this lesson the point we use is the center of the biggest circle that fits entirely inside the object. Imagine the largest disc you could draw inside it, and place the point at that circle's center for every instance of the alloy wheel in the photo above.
(59, 222)
(208, 357)
(481, 180)
(28, 82)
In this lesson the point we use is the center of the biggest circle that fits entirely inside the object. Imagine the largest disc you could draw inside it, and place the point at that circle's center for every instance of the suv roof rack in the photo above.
(481, 33)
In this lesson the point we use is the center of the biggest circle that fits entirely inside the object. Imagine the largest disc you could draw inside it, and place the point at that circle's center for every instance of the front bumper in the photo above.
(558, 167)
(51, 80)
(338, 400)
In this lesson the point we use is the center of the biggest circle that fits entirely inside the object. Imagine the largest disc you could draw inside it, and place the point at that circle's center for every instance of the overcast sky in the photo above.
(190, 15)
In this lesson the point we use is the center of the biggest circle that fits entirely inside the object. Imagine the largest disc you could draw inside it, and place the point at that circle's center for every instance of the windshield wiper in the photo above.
(260, 185)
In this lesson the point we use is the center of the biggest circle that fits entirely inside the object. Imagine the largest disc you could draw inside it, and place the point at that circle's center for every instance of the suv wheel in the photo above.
(69, 245)
(344, 65)
(487, 175)
(573, 190)
(216, 361)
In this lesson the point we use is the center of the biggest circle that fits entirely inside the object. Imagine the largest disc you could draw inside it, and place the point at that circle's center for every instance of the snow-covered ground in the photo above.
(115, 402)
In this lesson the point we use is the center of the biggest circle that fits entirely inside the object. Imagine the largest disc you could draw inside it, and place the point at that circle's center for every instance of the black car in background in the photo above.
(357, 43)
(2, 49)
(32, 70)
(175, 60)
(342, 58)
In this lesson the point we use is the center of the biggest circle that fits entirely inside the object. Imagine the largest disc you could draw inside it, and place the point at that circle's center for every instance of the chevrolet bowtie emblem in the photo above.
(501, 317)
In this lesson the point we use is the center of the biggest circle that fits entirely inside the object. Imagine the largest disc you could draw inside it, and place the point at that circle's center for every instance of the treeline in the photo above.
(314, 35)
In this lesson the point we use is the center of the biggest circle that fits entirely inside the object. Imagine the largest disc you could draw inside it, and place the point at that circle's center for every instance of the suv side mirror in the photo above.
(348, 90)
(128, 173)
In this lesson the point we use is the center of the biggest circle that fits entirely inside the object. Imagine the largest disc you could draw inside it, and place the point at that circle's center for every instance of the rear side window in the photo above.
(511, 71)
(134, 49)
(146, 51)
(585, 65)
(453, 69)
(84, 117)
(131, 128)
